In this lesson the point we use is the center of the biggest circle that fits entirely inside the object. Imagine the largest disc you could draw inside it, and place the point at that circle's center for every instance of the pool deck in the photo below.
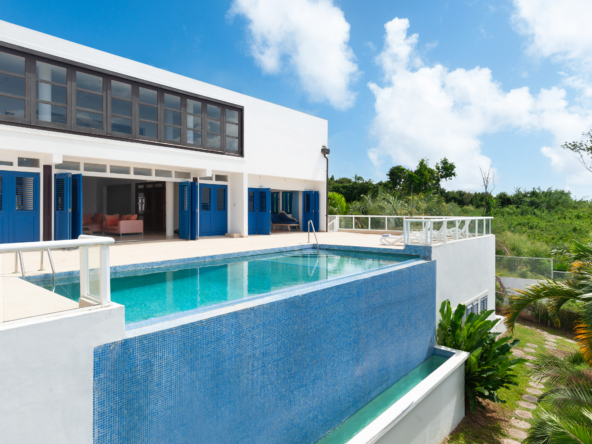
(23, 300)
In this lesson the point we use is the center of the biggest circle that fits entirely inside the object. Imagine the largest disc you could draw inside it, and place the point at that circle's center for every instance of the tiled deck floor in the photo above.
(21, 299)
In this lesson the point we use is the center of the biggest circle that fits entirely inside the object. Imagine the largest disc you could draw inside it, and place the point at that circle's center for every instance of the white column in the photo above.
(238, 190)
(170, 208)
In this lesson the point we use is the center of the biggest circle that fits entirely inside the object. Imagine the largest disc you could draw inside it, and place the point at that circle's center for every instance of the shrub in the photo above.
(490, 365)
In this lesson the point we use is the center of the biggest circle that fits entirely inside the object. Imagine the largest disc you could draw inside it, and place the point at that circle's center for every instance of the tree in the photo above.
(423, 179)
(583, 150)
(488, 180)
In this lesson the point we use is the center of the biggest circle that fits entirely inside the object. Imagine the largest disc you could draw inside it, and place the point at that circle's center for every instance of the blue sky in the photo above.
(458, 79)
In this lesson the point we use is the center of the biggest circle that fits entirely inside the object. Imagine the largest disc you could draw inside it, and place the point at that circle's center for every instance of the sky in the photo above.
(487, 84)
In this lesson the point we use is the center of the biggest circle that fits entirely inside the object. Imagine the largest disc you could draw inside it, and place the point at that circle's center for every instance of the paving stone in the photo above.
(532, 345)
(523, 414)
(530, 398)
(509, 441)
(571, 341)
(550, 347)
(528, 364)
(530, 350)
(534, 391)
(536, 385)
(517, 352)
(518, 434)
(530, 358)
(520, 424)
(527, 405)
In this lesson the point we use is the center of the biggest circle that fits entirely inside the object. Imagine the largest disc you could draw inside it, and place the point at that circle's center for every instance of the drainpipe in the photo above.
(325, 151)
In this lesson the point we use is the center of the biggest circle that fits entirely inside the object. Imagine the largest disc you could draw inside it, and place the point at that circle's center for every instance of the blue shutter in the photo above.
(184, 210)
(63, 206)
(251, 210)
(307, 209)
(194, 217)
(316, 214)
(263, 206)
(77, 203)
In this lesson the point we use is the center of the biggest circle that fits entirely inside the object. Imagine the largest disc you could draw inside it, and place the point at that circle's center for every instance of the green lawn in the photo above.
(489, 427)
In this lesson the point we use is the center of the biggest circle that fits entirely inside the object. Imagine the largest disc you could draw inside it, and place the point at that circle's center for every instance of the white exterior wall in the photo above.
(465, 269)
(46, 374)
(434, 417)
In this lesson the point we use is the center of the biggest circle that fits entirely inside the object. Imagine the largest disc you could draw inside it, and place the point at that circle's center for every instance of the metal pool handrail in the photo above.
(82, 243)
(310, 224)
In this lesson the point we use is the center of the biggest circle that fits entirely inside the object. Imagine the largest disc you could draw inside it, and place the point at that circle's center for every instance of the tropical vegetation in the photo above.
(565, 415)
(577, 289)
(490, 366)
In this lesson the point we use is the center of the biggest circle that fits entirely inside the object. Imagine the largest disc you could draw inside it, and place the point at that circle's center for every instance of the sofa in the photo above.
(128, 224)
(283, 220)
(92, 224)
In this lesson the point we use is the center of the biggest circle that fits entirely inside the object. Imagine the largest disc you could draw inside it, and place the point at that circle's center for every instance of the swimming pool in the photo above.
(166, 290)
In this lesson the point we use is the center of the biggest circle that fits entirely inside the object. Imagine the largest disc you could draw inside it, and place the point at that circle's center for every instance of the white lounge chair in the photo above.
(389, 240)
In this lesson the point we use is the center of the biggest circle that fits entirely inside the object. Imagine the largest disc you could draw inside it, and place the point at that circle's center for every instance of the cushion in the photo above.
(111, 221)
(97, 218)
(126, 216)
(87, 219)
(134, 217)
(285, 218)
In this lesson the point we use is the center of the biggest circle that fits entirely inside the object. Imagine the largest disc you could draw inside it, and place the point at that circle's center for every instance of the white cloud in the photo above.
(429, 111)
(308, 37)
(558, 29)
(561, 31)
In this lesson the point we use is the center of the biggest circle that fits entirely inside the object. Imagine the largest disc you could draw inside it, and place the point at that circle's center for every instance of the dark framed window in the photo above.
(214, 127)
(251, 201)
(90, 103)
(47, 92)
(121, 107)
(232, 130)
(51, 93)
(12, 86)
(220, 199)
(275, 202)
(194, 122)
(148, 113)
(172, 118)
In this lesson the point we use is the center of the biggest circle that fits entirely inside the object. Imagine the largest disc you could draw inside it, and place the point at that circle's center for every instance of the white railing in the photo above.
(423, 230)
(83, 243)
(433, 231)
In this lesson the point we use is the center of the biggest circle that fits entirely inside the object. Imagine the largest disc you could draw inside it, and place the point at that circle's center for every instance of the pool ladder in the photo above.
(19, 255)
(310, 224)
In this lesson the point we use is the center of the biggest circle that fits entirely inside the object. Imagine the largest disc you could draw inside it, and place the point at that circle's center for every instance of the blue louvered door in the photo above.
(5, 177)
(316, 207)
(76, 205)
(252, 211)
(19, 207)
(307, 208)
(194, 218)
(213, 210)
(63, 206)
(263, 206)
(184, 210)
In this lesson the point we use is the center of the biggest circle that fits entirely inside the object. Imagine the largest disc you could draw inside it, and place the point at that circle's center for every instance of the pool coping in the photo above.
(396, 412)
(186, 317)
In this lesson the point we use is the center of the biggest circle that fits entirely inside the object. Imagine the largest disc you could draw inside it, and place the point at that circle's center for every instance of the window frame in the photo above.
(75, 106)
(110, 113)
(34, 99)
(30, 100)
(26, 98)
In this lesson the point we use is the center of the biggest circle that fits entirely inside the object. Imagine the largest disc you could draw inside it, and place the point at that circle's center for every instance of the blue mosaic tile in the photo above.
(287, 371)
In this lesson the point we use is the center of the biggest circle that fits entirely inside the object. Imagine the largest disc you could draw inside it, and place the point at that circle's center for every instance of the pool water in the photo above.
(153, 293)
(363, 417)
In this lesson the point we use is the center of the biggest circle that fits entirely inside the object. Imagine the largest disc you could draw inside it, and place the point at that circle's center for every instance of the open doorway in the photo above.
(125, 209)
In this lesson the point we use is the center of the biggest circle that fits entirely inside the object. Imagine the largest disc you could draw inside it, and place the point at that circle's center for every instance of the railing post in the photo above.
(385, 223)
(445, 231)
(105, 279)
(456, 231)
(476, 228)
(84, 272)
